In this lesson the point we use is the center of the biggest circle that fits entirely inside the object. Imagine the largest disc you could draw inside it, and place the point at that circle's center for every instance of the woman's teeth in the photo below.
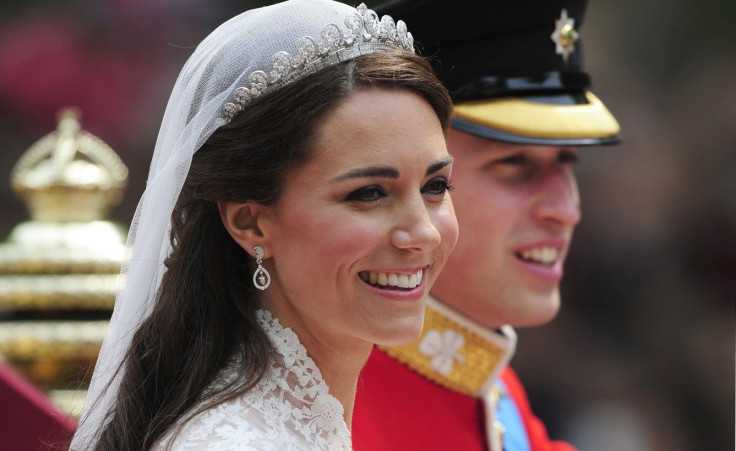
(543, 255)
(392, 279)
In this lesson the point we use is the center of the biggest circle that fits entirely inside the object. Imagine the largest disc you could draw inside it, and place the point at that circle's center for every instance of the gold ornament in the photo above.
(565, 36)
(59, 272)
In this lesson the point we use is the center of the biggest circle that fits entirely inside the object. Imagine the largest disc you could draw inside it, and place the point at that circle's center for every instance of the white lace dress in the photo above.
(289, 409)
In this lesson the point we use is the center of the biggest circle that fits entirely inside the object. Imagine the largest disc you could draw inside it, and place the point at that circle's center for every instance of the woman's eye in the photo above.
(437, 186)
(367, 194)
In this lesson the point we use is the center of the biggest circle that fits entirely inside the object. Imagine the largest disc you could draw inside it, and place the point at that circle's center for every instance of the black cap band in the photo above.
(545, 84)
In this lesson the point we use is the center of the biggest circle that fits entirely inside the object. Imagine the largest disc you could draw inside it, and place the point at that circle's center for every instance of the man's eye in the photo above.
(513, 159)
(437, 186)
(568, 157)
(367, 194)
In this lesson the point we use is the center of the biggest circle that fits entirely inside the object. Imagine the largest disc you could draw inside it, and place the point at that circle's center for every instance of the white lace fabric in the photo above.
(289, 409)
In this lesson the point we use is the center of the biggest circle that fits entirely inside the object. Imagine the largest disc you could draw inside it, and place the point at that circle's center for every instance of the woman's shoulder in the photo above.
(232, 425)
(265, 418)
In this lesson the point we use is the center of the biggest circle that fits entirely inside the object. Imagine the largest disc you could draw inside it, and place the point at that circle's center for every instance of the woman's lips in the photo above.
(392, 279)
(401, 285)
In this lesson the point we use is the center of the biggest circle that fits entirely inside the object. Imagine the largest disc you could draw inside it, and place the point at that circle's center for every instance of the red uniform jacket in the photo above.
(397, 409)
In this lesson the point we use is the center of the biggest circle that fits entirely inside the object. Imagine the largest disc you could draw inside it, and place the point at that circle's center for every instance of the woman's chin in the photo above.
(404, 333)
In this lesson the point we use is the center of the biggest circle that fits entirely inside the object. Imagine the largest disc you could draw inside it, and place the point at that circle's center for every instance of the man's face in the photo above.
(517, 207)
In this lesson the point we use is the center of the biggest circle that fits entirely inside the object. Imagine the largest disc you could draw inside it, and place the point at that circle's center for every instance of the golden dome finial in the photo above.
(69, 175)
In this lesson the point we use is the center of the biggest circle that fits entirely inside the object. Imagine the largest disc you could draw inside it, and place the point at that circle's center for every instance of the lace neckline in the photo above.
(294, 354)
(290, 408)
(288, 346)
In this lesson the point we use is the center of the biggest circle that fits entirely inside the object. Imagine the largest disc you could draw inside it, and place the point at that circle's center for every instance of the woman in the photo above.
(309, 224)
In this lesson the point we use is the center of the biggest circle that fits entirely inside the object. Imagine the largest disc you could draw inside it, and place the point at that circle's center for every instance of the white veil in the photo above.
(219, 65)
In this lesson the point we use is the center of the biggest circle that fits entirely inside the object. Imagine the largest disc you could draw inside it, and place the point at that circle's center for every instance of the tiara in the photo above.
(363, 34)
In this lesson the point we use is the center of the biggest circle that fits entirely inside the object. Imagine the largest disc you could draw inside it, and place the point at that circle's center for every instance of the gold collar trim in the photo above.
(456, 352)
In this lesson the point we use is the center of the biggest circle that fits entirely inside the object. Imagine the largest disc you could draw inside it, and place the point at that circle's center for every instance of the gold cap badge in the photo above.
(565, 36)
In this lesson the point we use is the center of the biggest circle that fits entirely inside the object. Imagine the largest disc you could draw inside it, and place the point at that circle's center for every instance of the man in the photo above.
(522, 109)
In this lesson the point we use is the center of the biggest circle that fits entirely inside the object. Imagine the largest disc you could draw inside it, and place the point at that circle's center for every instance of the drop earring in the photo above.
(261, 278)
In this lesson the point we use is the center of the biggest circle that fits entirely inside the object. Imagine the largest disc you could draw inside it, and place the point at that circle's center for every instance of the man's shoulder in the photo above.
(397, 408)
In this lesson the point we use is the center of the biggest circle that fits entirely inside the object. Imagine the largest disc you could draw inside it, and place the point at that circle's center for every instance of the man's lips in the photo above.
(546, 253)
(543, 259)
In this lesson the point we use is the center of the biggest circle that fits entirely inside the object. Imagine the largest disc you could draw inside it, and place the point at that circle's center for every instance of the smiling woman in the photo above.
(297, 212)
(345, 214)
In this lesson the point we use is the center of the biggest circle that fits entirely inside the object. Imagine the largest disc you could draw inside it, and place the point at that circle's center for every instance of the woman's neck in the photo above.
(340, 358)
(340, 366)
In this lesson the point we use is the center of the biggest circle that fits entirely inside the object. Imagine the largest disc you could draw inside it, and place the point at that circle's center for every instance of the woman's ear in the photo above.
(241, 222)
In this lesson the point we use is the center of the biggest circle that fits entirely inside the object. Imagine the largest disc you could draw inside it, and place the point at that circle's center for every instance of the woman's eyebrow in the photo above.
(372, 171)
(434, 167)
(388, 171)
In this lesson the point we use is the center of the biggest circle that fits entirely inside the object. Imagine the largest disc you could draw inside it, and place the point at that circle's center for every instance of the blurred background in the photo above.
(642, 354)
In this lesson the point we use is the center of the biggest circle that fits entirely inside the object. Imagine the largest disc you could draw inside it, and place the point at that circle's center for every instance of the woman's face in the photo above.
(370, 210)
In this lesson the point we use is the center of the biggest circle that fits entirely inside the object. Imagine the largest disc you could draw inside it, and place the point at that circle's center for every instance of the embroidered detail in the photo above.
(469, 367)
(289, 409)
(363, 34)
(443, 349)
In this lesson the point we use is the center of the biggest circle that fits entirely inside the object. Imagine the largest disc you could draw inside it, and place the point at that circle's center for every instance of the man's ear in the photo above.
(241, 222)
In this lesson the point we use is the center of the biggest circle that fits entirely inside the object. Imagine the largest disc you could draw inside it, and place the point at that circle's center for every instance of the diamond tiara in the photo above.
(363, 34)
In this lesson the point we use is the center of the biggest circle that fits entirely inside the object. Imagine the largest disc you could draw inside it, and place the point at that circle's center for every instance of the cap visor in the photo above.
(550, 120)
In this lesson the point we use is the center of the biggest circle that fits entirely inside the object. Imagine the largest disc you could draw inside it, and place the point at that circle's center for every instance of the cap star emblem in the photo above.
(565, 35)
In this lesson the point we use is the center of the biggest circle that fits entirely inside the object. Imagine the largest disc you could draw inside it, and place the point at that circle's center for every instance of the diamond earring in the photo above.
(261, 278)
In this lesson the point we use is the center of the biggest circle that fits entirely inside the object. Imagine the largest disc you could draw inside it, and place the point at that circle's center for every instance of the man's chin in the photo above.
(536, 311)
(518, 308)
(533, 322)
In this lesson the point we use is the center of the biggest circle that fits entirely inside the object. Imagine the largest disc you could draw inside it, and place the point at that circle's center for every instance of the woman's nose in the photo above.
(416, 230)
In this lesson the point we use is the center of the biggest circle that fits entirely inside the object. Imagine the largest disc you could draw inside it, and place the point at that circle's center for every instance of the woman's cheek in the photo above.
(354, 237)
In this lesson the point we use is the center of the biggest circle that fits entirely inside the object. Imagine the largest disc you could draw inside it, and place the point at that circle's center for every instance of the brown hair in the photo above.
(204, 314)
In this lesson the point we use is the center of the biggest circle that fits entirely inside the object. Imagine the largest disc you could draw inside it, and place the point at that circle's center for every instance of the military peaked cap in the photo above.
(514, 68)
